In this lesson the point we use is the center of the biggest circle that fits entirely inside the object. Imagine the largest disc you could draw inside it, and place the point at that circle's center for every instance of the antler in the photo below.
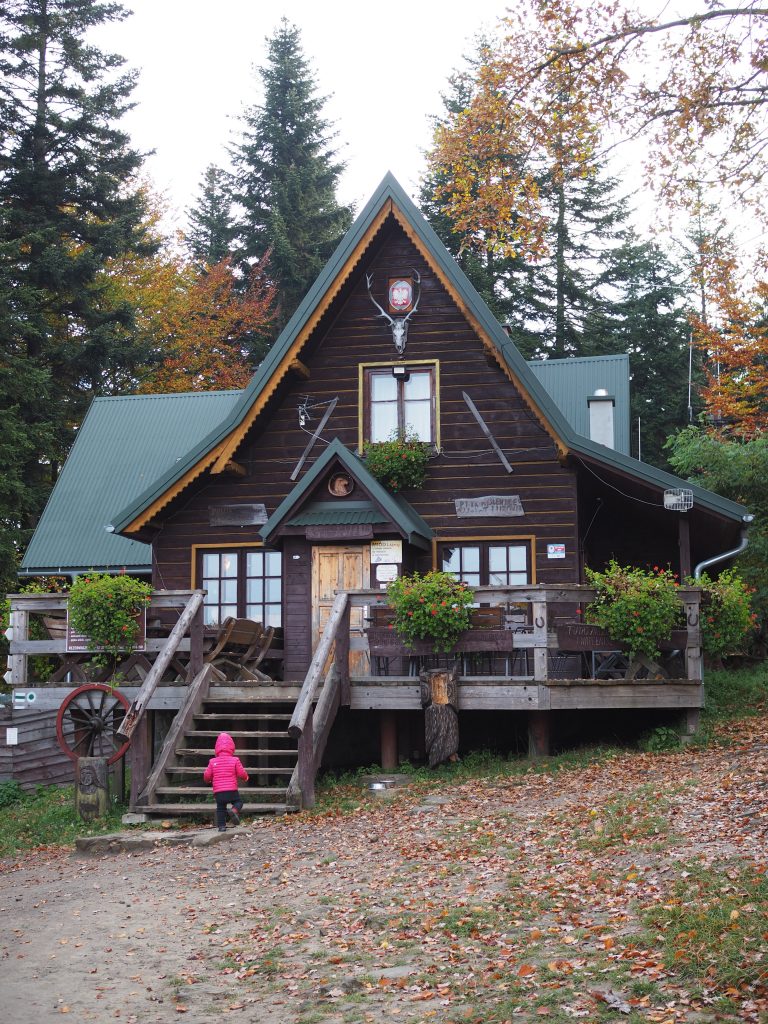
(398, 324)
(382, 312)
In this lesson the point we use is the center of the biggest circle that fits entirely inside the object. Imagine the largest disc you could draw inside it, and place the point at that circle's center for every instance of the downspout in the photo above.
(716, 559)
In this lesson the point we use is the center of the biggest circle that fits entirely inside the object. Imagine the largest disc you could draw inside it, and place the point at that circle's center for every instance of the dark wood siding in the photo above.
(465, 467)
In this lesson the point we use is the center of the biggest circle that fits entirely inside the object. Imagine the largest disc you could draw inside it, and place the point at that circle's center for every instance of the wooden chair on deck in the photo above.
(239, 648)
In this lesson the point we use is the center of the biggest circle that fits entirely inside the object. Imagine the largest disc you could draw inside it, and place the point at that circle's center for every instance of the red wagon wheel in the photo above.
(88, 720)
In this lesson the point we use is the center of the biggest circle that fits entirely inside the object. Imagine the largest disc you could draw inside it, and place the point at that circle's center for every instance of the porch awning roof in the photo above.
(321, 513)
(391, 508)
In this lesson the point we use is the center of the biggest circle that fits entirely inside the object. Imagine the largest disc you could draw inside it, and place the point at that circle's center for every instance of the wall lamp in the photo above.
(400, 371)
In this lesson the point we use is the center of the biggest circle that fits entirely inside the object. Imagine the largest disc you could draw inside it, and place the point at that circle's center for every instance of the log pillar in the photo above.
(388, 738)
(92, 788)
(538, 734)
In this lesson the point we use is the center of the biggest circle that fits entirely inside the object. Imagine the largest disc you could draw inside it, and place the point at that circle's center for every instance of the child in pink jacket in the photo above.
(223, 771)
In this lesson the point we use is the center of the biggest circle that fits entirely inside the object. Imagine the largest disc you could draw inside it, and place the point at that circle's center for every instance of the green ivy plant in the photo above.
(400, 463)
(106, 608)
(435, 607)
(639, 608)
(727, 618)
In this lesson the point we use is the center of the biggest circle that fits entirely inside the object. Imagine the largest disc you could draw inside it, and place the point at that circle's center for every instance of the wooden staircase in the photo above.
(257, 722)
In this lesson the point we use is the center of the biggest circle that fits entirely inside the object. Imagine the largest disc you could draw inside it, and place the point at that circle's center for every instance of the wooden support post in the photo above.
(538, 734)
(92, 787)
(140, 760)
(342, 657)
(196, 642)
(306, 765)
(388, 732)
(689, 724)
(540, 642)
(17, 663)
(684, 544)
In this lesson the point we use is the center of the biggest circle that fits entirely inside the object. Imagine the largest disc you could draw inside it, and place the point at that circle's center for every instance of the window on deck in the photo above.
(244, 583)
(487, 563)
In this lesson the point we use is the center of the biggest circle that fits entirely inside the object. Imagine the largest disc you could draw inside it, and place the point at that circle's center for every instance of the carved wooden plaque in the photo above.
(340, 531)
(237, 515)
(501, 505)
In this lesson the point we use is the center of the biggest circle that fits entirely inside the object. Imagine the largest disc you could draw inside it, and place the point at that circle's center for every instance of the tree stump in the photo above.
(440, 700)
(92, 788)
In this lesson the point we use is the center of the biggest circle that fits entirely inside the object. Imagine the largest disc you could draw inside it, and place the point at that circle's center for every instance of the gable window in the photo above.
(487, 563)
(243, 583)
(399, 400)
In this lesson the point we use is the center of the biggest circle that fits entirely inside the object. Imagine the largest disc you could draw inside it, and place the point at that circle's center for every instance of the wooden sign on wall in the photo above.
(237, 515)
(497, 505)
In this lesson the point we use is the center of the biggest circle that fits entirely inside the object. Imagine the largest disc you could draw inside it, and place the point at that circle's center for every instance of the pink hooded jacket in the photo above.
(225, 769)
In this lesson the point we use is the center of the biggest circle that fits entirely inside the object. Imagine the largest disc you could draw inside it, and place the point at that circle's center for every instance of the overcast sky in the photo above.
(385, 65)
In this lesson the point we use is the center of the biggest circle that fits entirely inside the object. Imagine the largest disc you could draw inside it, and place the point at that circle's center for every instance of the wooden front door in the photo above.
(342, 567)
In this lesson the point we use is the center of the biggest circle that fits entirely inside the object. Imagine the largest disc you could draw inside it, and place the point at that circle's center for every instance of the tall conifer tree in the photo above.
(66, 207)
(211, 223)
(287, 174)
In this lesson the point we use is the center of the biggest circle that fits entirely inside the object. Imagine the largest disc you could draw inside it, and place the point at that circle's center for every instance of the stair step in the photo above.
(207, 752)
(255, 769)
(205, 791)
(169, 810)
(213, 733)
(248, 698)
(246, 756)
(238, 716)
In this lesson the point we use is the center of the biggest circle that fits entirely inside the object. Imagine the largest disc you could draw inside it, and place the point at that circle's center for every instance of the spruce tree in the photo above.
(646, 317)
(66, 207)
(211, 223)
(287, 175)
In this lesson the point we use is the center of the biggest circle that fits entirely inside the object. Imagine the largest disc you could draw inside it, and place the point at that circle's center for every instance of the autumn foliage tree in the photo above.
(731, 330)
(565, 77)
(192, 320)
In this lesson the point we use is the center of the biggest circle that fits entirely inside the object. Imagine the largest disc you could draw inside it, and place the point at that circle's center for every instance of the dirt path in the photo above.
(514, 900)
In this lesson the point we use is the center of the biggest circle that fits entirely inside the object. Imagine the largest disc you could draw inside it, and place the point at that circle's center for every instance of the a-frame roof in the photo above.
(218, 448)
(396, 509)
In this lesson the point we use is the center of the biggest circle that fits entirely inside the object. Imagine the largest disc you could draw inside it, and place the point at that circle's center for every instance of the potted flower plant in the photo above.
(106, 609)
(434, 607)
(638, 608)
(727, 618)
(400, 463)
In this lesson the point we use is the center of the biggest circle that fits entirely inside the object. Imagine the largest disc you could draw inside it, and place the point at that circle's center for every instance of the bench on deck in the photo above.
(239, 647)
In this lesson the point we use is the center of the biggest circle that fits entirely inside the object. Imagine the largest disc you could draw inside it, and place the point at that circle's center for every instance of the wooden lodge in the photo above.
(258, 505)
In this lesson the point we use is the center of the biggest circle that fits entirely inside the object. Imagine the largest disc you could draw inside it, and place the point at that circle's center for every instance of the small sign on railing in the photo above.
(80, 643)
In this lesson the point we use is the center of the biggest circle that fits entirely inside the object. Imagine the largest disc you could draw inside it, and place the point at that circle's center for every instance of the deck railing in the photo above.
(536, 617)
(166, 606)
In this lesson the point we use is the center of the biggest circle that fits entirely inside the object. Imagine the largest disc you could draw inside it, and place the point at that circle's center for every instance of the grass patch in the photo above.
(626, 819)
(712, 926)
(47, 817)
(735, 693)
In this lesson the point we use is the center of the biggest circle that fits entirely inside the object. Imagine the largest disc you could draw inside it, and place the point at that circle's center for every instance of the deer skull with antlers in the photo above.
(399, 324)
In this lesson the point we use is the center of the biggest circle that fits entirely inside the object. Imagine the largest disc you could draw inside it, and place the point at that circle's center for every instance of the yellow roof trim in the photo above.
(483, 338)
(234, 439)
(167, 496)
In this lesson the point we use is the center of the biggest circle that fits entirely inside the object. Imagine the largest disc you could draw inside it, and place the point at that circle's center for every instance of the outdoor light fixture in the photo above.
(401, 372)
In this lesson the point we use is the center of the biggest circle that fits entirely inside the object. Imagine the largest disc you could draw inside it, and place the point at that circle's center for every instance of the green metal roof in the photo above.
(393, 507)
(390, 190)
(570, 382)
(334, 513)
(122, 445)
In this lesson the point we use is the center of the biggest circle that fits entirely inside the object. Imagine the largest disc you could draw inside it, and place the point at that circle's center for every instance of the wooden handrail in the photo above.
(312, 678)
(163, 660)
